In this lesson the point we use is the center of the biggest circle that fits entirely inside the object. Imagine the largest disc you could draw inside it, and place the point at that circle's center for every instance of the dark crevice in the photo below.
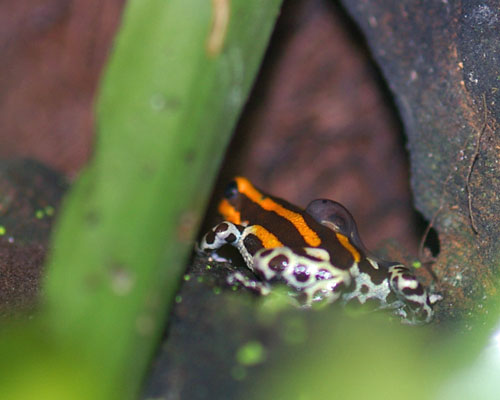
(431, 245)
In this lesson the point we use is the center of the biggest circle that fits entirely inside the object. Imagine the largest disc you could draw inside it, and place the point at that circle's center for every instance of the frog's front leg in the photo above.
(220, 235)
(416, 297)
(306, 270)
(245, 240)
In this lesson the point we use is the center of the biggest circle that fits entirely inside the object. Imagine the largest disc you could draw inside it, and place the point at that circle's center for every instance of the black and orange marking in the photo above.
(278, 223)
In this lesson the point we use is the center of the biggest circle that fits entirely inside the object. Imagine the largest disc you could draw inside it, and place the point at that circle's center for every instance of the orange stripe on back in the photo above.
(268, 204)
(229, 212)
(344, 241)
(269, 241)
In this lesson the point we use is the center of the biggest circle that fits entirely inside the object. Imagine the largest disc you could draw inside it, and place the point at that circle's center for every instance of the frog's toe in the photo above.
(324, 292)
(416, 297)
(435, 297)
(261, 288)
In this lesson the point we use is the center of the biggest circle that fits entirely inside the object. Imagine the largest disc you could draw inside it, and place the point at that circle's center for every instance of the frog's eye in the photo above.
(336, 217)
(335, 214)
(231, 190)
(339, 223)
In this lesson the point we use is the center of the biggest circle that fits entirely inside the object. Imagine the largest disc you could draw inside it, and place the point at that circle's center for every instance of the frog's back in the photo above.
(297, 229)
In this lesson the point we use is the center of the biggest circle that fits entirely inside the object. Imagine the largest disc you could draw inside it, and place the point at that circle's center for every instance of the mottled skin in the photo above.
(317, 252)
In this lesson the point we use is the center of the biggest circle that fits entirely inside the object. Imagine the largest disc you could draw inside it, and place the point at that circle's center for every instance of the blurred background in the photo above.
(320, 122)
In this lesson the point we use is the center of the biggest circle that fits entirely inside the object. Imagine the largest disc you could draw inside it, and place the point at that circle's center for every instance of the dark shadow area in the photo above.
(431, 242)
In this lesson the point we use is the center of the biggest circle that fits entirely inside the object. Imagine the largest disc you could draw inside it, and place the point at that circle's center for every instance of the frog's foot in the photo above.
(306, 270)
(262, 288)
(320, 292)
(220, 235)
(415, 296)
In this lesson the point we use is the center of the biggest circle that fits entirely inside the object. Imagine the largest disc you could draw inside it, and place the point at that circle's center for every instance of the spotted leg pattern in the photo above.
(261, 287)
(313, 277)
(367, 289)
(307, 270)
(416, 298)
(220, 235)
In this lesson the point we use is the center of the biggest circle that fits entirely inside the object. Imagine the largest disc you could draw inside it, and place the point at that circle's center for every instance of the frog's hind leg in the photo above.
(307, 270)
(407, 287)
(224, 233)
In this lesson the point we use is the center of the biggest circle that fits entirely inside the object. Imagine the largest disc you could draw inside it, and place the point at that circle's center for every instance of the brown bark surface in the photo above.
(441, 61)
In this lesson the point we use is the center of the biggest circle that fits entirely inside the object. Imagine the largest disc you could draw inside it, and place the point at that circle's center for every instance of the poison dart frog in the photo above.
(317, 252)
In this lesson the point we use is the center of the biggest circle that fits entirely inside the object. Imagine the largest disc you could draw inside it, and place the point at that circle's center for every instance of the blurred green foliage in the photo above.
(366, 357)
(357, 356)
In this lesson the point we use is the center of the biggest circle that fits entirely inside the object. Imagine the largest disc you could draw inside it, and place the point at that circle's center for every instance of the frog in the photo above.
(316, 252)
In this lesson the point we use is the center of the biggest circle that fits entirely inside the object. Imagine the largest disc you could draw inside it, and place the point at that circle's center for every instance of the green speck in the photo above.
(187, 277)
(416, 264)
(208, 267)
(217, 290)
(178, 299)
(3, 231)
(251, 353)
(49, 210)
(238, 373)
(39, 214)
(234, 288)
(199, 279)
